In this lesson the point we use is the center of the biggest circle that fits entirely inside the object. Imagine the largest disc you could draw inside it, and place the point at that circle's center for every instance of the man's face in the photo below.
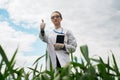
(56, 19)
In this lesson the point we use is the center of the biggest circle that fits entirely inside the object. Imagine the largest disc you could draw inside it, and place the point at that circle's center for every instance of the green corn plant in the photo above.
(85, 53)
(8, 65)
(89, 72)
(9, 72)
(115, 66)
(75, 70)
(35, 73)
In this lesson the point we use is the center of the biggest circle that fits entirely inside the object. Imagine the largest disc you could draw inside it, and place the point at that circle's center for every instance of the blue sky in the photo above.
(37, 49)
(93, 22)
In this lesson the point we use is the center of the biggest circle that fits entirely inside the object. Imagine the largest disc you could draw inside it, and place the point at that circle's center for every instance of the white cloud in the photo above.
(27, 11)
(4, 3)
(13, 38)
(93, 22)
(10, 39)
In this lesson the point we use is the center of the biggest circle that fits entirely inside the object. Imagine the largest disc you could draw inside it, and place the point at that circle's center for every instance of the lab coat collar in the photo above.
(59, 30)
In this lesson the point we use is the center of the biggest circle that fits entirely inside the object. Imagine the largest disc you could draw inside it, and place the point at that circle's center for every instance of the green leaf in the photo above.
(108, 63)
(115, 65)
(116, 68)
(84, 50)
(1, 77)
(1, 64)
(78, 65)
(13, 57)
(95, 60)
(71, 53)
(66, 71)
(19, 74)
(10, 66)
(4, 57)
(33, 69)
(39, 59)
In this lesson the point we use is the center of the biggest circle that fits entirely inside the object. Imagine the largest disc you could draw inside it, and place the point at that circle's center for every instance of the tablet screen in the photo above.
(60, 39)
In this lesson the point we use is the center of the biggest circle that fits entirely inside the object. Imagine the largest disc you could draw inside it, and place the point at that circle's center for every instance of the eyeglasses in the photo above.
(55, 17)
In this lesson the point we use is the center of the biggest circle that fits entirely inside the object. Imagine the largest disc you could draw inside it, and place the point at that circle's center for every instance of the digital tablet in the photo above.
(60, 39)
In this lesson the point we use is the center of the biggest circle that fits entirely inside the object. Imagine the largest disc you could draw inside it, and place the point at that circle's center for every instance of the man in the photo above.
(59, 42)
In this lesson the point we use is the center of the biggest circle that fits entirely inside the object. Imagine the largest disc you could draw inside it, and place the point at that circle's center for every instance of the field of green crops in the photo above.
(84, 70)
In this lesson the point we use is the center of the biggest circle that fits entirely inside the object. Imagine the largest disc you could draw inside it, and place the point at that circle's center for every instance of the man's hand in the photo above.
(58, 46)
(42, 25)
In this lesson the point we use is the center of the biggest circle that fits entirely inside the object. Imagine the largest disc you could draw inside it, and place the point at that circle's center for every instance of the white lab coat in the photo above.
(62, 55)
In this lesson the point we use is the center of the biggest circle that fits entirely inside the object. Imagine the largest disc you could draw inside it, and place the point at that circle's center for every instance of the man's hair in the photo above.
(58, 13)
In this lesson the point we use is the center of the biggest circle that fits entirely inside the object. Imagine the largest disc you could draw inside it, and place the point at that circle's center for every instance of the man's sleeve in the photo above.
(71, 43)
(43, 36)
